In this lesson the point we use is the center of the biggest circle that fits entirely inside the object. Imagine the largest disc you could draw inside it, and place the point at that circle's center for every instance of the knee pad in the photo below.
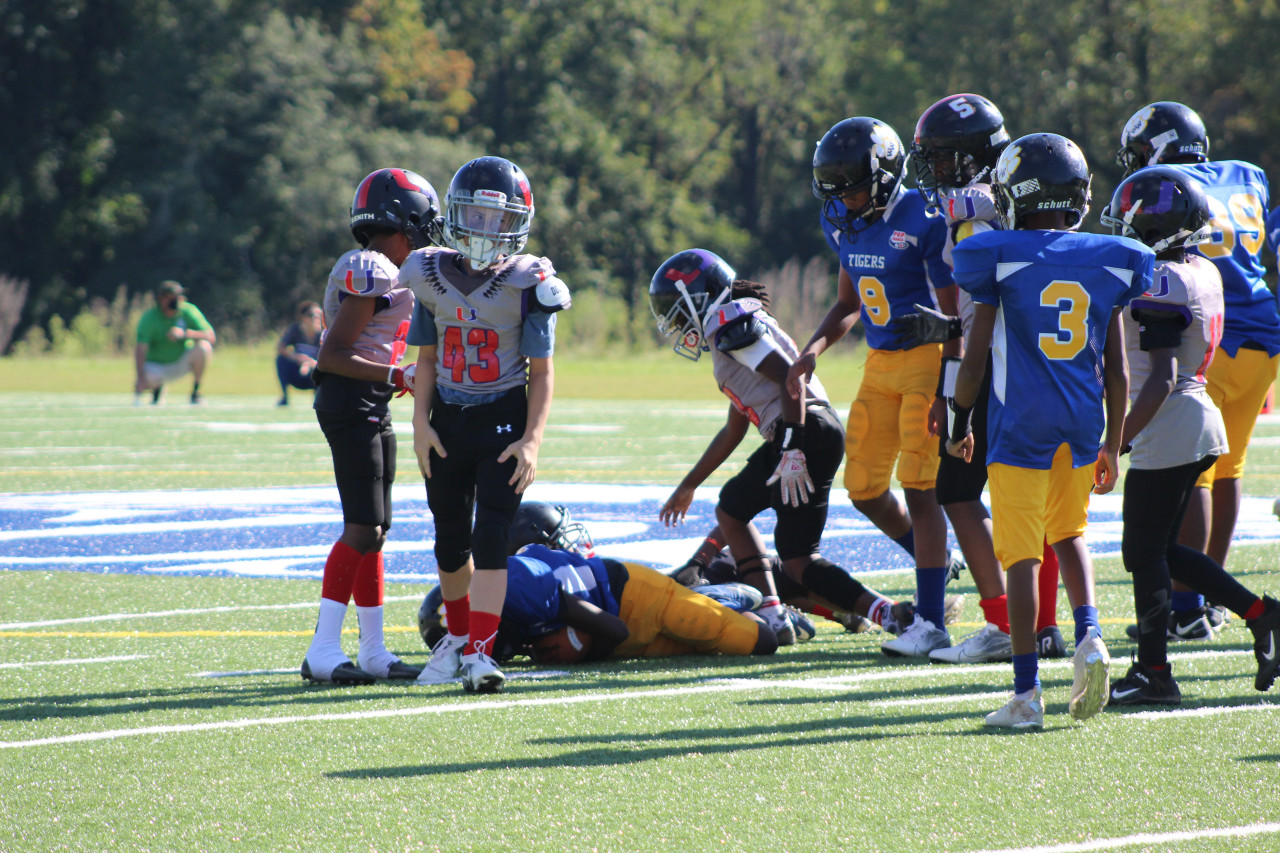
(918, 459)
(452, 549)
(489, 541)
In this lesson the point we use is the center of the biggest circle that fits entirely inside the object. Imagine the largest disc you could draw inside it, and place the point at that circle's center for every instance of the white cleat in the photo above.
(986, 646)
(920, 638)
(446, 661)
(1090, 686)
(1022, 711)
(480, 674)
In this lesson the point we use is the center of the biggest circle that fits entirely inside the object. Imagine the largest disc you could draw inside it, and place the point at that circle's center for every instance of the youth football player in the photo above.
(1047, 304)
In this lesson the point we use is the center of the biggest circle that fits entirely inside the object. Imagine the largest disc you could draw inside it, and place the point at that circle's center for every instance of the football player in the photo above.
(485, 326)
(1244, 366)
(627, 609)
(1047, 305)
(697, 297)
(394, 211)
(956, 145)
(889, 246)
(1173, 430)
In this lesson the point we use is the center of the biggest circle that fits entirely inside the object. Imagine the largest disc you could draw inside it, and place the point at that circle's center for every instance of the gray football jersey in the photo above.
(1188, 425)
(479, 319)
(751, 393)
(371, 275)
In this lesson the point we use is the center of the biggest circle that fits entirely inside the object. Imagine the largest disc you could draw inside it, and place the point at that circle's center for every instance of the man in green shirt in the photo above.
(174, 339)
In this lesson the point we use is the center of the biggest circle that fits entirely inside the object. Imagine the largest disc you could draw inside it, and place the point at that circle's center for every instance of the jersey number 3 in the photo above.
(1071, 301)
(454, 358)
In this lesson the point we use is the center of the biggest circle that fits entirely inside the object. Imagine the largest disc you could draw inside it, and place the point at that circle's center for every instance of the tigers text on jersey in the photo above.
(1188, 426)
(1239, 197)
(1054, 292)
(369, 274)
(751, 393)
(894, 263)
(535, 578)
(480, 324)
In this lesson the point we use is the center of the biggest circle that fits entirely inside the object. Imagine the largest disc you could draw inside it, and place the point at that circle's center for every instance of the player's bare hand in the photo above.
(799, 373)
(1106, 472)
(962, 449)
(937, 416)
(525, 452)
(677, 506)
(426, 440)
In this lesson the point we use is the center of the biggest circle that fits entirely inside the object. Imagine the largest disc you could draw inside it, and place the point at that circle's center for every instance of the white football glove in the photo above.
(794, 474)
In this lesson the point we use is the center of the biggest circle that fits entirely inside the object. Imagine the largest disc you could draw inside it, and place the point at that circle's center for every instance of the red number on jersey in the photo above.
(454, 358)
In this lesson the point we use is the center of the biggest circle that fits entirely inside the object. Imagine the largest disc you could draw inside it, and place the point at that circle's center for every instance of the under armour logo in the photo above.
(504, 428)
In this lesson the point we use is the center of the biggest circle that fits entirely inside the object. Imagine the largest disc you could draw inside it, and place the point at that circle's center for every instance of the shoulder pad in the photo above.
(551, 295)
(364, 273)
(740, 333)
(524, 271)
(968, 204)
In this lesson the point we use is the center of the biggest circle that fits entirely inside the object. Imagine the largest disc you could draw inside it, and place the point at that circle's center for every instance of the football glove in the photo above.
(793, 473)
(926, 327)
(401, 379)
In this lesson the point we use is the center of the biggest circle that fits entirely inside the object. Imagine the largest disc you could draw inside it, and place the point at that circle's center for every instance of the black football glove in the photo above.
(926, 327)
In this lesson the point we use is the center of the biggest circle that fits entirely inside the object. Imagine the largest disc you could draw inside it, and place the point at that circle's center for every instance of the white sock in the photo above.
(325, 651)
(374, 656)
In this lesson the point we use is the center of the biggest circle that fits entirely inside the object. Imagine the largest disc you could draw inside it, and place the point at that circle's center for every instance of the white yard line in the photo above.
(71, 661)
(1148, 839)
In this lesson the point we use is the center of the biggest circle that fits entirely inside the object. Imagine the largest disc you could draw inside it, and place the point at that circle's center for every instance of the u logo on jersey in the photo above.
(468, 316)
(1160, 287)
(350, 283)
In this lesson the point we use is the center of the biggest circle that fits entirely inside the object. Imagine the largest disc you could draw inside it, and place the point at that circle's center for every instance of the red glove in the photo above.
(402, 378)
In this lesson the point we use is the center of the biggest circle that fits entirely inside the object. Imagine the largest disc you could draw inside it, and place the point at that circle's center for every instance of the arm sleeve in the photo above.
(538, 335)
(422, 327)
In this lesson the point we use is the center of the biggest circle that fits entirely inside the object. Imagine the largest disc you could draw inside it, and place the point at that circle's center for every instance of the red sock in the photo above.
(457, 614)
(484, 631)
(1048, 614)
(1255, 610)
(340, 572)
(997, 611)
(819, 610)
(368, 589)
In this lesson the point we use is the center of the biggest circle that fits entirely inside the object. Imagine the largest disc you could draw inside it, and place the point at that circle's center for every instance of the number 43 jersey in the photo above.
(483, 326)
(1054, 292)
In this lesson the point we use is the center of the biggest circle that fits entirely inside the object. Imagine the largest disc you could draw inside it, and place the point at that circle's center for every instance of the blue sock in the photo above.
(1086, 616)
(931, 585)
(908, 541)
(1026, 672)
(1186, 599)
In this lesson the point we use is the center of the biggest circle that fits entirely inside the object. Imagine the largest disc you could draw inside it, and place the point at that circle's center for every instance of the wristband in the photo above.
(955, 328)
(790, 436)
(958, 420)
(947, 376)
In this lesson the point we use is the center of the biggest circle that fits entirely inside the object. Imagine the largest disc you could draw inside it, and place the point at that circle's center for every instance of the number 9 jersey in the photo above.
(485, 326)
(1054, 292)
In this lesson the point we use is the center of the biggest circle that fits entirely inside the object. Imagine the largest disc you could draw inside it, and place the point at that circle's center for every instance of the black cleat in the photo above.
(1142, 686)
(1266, 644)
(401, 671)
(1049, 643)
(344, 673)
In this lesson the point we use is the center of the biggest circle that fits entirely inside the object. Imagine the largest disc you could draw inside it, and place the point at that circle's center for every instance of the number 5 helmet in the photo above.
(682, 294)
(538, 523)
(1161, 206)
(1163, 132)
(487, 211)
(957, 143)
(398, 200)
(857, 153)
(1041, 172)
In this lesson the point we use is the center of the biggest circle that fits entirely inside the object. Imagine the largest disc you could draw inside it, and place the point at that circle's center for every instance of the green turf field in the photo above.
(167, 714)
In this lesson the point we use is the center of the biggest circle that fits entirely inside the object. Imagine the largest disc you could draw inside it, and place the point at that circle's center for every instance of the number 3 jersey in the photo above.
(1183, 312)
(893, 263)
(482, 325)
(755, 396)
(1054, 292)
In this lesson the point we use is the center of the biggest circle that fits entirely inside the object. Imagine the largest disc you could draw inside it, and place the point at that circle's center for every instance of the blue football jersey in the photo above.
(894, 263)
(1273, 234)
(534, 579)
(1239, 197)
(1054, 292)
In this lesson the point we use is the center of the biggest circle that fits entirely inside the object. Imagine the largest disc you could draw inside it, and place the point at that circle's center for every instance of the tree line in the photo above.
(218, 141)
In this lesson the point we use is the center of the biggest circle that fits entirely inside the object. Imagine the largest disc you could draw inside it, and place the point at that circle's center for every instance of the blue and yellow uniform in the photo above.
(892, 264)
(1244, 366)
(663, 617)
(1055, 292)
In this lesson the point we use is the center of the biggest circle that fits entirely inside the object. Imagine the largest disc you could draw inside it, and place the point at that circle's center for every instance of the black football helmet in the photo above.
(538, 523)
(1160, 206)
(430, 618)
(682, 294)
(397, 199)
(1163, 132)
(957, 143)
(857, 153)
(487, 211)
(1041, 172)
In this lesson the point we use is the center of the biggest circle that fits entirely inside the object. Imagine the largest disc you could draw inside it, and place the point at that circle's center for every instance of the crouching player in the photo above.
(1174, 430)
(1048, 304)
